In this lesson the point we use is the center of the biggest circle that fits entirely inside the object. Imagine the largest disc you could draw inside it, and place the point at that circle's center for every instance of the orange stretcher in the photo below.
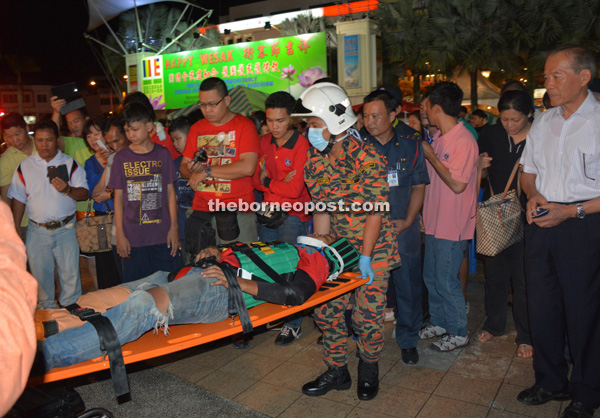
(181, 337)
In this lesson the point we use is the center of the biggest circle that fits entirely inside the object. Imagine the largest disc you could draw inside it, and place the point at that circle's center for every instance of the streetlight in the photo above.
(92, 83)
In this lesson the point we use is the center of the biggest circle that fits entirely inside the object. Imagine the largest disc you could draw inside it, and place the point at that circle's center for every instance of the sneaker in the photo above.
(288, 335)
(241, 341)
(389, 316)
(450, 342)
(429, 331)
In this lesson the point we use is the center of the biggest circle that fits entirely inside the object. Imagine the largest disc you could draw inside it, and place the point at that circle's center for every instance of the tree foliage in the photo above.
(472, 34)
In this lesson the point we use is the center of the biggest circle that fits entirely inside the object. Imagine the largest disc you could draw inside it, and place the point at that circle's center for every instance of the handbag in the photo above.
(94, 232)
(499, 223)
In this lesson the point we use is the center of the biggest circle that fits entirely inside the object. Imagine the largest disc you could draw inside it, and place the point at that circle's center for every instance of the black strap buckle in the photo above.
(86, 314)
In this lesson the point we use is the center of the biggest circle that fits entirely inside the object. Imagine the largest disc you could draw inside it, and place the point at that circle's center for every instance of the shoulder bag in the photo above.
(499, 223)
(94, 232)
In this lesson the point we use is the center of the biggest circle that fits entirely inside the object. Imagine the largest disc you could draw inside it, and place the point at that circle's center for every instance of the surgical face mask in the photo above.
(315, 137)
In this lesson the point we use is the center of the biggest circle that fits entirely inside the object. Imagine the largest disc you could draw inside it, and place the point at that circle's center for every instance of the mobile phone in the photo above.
(58, 171)
(539, 212)
(103, 146)
(71, 95)
(52, 172)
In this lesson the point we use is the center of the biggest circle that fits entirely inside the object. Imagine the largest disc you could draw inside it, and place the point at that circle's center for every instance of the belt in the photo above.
(54, 224)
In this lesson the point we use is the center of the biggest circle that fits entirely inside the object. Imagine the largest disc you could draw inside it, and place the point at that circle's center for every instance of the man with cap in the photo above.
(342, 171)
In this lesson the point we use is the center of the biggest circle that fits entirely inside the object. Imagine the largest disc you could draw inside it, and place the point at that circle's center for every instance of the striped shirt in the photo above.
(565, 154)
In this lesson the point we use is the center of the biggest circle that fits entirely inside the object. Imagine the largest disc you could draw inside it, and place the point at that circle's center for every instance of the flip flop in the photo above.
(484, 336)
(525, 351)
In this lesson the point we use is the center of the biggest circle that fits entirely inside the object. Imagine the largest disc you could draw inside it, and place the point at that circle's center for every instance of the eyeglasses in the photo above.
(210, 105)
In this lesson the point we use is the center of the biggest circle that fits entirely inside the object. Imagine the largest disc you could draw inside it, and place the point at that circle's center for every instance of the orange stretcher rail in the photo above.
(181, 337)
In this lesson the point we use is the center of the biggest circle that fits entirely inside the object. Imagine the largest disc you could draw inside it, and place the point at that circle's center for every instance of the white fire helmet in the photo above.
(328, 102)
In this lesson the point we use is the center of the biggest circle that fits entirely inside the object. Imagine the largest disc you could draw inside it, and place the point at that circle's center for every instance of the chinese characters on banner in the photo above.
(292, 63)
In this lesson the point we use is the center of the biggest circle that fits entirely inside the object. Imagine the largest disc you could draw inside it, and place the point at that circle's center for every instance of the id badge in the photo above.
(393, 178)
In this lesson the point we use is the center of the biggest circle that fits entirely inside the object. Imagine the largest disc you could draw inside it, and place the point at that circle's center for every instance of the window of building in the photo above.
(42, 98)
(9, 98)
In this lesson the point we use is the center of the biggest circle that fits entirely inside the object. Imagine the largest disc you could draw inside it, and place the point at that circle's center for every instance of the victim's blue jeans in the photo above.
(192, 300)
(440, 273)
(47, 249)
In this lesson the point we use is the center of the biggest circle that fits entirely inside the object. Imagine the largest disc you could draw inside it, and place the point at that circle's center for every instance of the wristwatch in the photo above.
(580, 211)
(207, 170)
(69, 190)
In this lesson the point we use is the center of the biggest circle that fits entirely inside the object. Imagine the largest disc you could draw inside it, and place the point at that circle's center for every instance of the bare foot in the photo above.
(525, 351)
(483, 336)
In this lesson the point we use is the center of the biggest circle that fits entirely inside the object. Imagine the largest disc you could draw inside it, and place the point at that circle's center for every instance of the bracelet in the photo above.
(69, 190)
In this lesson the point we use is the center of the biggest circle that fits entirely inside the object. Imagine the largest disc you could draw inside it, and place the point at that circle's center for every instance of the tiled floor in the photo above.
(481, 380)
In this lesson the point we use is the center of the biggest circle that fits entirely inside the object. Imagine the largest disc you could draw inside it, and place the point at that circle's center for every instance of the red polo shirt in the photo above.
(279, 162)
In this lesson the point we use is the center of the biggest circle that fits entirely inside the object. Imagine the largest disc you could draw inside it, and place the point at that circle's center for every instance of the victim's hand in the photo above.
(216, 273)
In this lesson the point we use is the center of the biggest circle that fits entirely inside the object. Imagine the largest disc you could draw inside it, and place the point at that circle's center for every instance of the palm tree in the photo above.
(306, 23)
(19, 65)
(541, 25)
(470, 35)
(410, 32)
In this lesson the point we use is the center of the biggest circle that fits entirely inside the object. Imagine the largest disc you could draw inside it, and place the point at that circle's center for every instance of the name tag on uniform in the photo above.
(392, 178)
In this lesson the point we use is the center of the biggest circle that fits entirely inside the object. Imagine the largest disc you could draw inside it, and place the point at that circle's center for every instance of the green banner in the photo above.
(292, 64)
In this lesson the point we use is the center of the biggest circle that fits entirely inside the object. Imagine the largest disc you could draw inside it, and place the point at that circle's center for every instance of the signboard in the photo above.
(292, 63)
(351, 64)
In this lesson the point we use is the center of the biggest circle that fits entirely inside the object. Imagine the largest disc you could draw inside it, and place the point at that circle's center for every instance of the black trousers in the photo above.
(500, 271)
(562, 266)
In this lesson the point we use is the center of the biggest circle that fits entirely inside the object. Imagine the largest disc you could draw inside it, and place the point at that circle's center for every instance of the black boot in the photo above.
(368, 380)
(336, 378)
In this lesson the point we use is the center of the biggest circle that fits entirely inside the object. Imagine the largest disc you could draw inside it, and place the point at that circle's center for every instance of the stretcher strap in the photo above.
(236, 304)
(109, 344)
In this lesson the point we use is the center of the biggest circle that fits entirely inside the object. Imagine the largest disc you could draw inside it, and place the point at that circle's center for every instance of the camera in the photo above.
(200, 156)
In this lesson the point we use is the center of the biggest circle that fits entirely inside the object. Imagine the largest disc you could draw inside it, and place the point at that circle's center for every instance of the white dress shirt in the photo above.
(30, 185)
(565, 154)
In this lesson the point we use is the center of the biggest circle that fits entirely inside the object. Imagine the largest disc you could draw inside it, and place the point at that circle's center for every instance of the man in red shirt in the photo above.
(225, 180)
(280, 175)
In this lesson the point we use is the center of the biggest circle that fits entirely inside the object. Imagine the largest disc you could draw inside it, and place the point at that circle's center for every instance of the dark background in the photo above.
(51, 33)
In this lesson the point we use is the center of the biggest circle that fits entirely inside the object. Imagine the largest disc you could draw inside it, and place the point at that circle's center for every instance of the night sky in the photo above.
(51, 32)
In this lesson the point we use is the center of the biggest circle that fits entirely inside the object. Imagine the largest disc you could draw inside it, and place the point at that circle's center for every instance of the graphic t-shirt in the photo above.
(144, 179)
(224, 144)
(185, 197)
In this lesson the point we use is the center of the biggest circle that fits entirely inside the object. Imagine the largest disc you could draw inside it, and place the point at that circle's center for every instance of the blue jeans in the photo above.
(288, 232)
(143, 261)
(446, 300)
(192, 300)
(47, 249)
(407, 284)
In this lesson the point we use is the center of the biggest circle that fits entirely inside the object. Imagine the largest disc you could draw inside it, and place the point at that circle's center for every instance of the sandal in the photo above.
(484, 336)
(525, 351)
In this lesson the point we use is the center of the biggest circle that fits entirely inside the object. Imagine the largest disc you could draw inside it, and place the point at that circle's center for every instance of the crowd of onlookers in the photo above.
(160, 183)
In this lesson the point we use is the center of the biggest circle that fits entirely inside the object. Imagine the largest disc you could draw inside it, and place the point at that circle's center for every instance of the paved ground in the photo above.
(481, 380)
